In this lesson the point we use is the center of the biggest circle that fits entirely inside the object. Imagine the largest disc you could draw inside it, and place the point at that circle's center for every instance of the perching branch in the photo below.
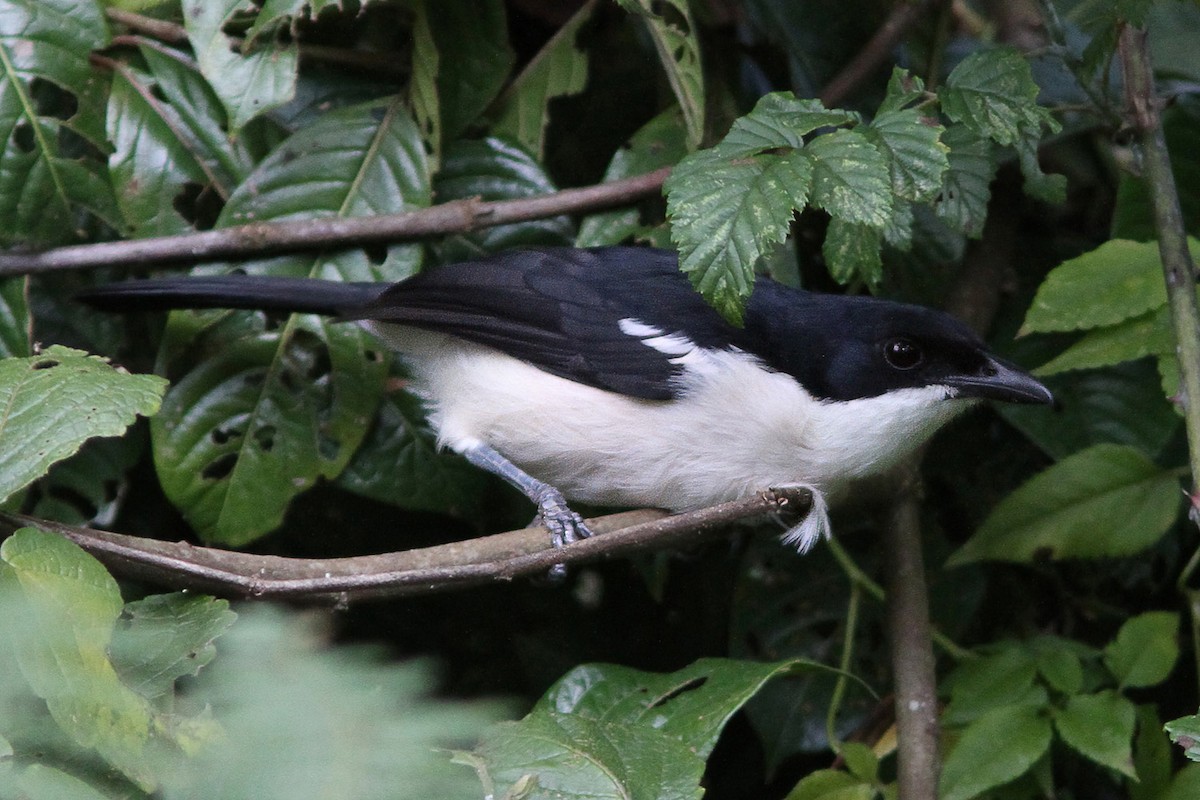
(488, 559)
(260, 239)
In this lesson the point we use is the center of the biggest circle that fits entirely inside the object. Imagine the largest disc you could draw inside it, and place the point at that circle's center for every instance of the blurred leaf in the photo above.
(261, 410)
(1128, 340)
(851, 251)
(996, 680)
(15, 320)
(495, 169)
(828, 784)
(1133, 215)
(917, 158)
(560, 68)
(164, 637)
(57, 400)
(1099, 726)
(251, 78)
(50, 112)
(423, 101)
(677, 41)
(1145, 650)
(658, 143)
(992, 92)
(1118, 280)
(1186, 783)
(1058, 663)
(41, 782)
(88, 487)
(1105, 501)
(1185, 732)
(996, 748)
(966, 187)
(1151, 756)
(474, 59)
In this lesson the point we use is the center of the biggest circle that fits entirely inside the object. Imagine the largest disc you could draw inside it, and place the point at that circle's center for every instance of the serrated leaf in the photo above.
(474, 59)
(1105, 501)
(1145, 650)
(251, 80)
(828, 784)
(677, 41)
(559, 69)
(1128, 340)
(966, 188)
(69, 604)
(1185, 732)
(164, 637)
(692, 704)
(260, 411)
(55, 401)
(993, 93)
(917, 157)
(998, 747)
(1100, 727)
(850, 178)
(496, 169)
(42, 188)
(780, 119)
(851, 251)
(903, 89)
(569, 757)
(658, 143)
(399, 463)
(1117, 281)
(726, 212)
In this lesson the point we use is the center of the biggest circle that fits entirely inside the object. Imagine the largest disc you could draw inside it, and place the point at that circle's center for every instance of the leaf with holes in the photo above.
(49, 96)
(264, 407)
(55, 401)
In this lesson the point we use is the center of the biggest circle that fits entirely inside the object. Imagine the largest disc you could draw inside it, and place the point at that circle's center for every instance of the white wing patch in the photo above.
(669, 344)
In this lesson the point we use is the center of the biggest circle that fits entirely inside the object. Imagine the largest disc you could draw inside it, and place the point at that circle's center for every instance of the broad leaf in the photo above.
(995, 749)
(55, 401)
(474, 59)
(850, 178)
(423, 100)
(917, 157)
(981, 685)
(677, 40)
(1145, 650)
(992, 92)
(262, 410)
(1100, 727)
(1128, 340)
(1105, 501)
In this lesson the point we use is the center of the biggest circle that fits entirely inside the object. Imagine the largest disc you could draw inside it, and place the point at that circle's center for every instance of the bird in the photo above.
(601, 376)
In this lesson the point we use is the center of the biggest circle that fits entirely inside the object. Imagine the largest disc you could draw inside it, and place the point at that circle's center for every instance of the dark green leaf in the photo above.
(677, 41)
(423, 99)
(780, 120)
(995, 749)
(967, 186)
(1058, 663)
(57, 400)
(1099, 726)
(851, 251)
(1151, 756)
(903, 89)
(828, 784)
(88, 487)
(1105, 501)
(1133, 216)
(992, 92)
(15, 320)
(850, 178)
(983, 684)
(1145, 650)
(917, 157)
(1128, 340)
(474, 59)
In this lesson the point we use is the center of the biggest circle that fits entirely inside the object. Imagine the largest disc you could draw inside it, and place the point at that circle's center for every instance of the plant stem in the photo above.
(839, 688)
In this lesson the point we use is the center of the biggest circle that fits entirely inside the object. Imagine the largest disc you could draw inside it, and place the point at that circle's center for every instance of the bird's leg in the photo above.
(565, 525)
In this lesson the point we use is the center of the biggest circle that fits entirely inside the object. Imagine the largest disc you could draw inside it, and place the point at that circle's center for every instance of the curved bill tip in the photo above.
(999, 380)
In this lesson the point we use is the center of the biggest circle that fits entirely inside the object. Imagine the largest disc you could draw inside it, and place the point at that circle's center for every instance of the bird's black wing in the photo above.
(561, 309)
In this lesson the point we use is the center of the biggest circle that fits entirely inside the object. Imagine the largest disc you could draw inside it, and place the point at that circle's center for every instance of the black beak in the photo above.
(999, 380)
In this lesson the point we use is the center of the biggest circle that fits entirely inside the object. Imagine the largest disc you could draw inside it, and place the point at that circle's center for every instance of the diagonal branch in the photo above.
(488, 559)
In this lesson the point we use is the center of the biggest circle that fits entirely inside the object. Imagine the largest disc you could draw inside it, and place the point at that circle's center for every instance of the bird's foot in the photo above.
(565, 525)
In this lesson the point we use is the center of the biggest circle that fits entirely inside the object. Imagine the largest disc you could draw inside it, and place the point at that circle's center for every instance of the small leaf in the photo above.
(998, 747)
(779, 120)
(993, 93)
(903, 89)
(1185, 732)
(1105, 501)
(851, 251)
(828, 784)
(677, 41)
(1058, 663)
(1100, 726)
(1145, 650)
(1117, 281)
(55, 401)
(474, 59)
(996, 680)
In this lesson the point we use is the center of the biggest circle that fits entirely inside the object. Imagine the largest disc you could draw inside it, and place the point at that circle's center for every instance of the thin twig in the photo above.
(875, 52)
(488, 559)
(260, 239)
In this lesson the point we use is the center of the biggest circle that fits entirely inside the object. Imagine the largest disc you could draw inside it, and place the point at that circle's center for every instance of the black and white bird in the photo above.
(601, 375)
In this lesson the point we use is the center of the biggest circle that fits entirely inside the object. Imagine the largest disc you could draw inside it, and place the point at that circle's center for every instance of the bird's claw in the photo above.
(565, 525)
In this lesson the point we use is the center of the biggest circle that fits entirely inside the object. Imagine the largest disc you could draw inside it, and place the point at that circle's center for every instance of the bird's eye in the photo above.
(902, 353)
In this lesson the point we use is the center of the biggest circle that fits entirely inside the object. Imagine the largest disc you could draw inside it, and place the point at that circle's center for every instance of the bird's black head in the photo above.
(844, 348)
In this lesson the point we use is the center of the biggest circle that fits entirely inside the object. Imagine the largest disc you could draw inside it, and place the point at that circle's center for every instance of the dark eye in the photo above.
(902, 353)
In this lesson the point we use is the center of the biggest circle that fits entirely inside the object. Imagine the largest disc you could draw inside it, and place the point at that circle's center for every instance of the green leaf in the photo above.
(1105, 501)
(993, 93)
(1128, 340)
(1186, 784)
(423, 101)
(917, 157)
(677, 41)
(903, 89)
(999, 747)
(1151, 756)
(49, 95)
(559, 69)
(548, 755)
(981, 685)
(1058, 663)
(851, 251)
(1185, 732)
(966, 188)
(399, 463)
(828, 784)
(850, 178)
(261, 411)
(474, 59)
(164, 637)
(1117, 281)
(1100, 727)
(15, 320)
(780, 119)
(69, 604)
(250, 77)
(658, 143)
(55, 401)
(41, 782)
(1145, 650)
(88, 488)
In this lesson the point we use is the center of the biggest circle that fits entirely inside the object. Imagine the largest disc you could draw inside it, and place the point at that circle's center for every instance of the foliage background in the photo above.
(994, 174)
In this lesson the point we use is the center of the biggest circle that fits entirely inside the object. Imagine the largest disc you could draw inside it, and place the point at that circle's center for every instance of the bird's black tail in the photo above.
(259, 292)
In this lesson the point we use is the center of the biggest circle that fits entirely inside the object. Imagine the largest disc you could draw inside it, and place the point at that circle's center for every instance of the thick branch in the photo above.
(488, 559)
(261, 239)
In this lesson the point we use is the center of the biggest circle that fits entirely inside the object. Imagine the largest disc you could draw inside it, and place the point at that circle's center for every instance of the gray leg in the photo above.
(564, 524)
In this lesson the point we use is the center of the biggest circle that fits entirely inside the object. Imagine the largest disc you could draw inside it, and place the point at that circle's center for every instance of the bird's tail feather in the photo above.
(261, 292)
